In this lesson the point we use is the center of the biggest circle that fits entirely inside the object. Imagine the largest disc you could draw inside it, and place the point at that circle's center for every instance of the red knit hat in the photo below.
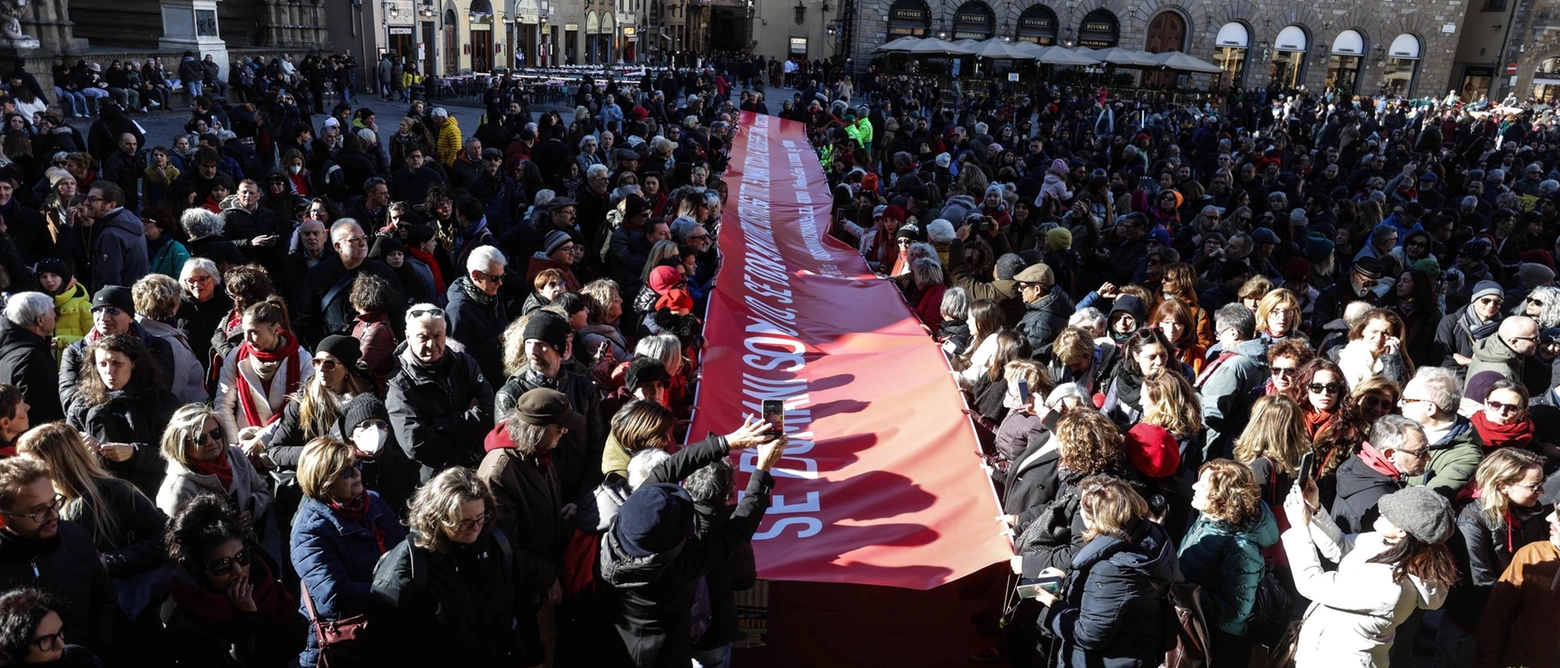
(895, 212)
(1152, 450)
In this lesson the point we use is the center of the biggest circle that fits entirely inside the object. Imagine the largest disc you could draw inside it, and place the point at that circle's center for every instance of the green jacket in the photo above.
(1453, 460)
(1226, 561)
(1492, 354)
(861, 131)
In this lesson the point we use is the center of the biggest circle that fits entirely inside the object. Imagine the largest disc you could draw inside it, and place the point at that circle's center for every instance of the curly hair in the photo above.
(248, 284)
(201, 525)
(1294, 346)
(1173, 404)
(372, 294)
(145, 376)
(21, 611)
(436, 506)
(1089, 442)
(1343, 434)
(1233, 494)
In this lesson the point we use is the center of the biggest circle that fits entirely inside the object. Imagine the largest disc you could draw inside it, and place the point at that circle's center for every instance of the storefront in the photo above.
(1343, 65)
(480, 35)
(627, 43)
(974, 20)
(1038, 25)
(526, 39)
(400, 29)
(1402, 66)
(1546, 80)
(1099, 30)
(909, 18)
(1229, 53)
(1289, 49)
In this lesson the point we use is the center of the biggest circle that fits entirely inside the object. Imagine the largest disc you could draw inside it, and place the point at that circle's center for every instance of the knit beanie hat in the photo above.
(56, 266)
(1420, 512)
(549, 328)
(1318, 248)
(655, 518)
(1534, 274)
(1058, 239)
(555, 240)
(1479, 385)
(346, 349)
(360, 409)
(1484, 289)
(1008, 266)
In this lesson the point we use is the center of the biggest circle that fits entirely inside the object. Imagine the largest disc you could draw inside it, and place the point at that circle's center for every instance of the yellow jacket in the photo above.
(74, 307)
(449, 141)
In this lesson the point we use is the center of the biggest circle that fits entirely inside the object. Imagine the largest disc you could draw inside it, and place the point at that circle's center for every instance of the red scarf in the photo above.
(287, 352)
(356, 511)
(1516, 435)
(1378, 462)
(1316, 421)
(219, 467)
(426, 257)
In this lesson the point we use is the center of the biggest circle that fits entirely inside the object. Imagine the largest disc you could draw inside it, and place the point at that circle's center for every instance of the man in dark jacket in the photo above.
(1396, 450)
(498, 193)
(477, 312)
(124, 167)
(441, 407)
(25, 226)
(411, 183)
(1049, 308)
(467, 165)
(552, 158)
(27, 357)
(653, 560)
(253, 228)
(38, 549)
(1357, 285)
(118, 238)
(547, 337)
(323, 307)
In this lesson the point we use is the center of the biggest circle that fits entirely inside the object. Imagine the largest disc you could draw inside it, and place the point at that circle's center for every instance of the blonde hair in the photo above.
(1233, 494)
(662, 250)
(1255, 287)
(1274, 299)
(1088, 442)
(664, 347)
(321, 460)
(1111, 506)
(598, 296)
(184, 430)
(1376, 384)
(436, 506)
(1073, 344)
(1040, 383)
(1173, 405)
(319, 408)
(1276, 430)
(75, 472)
(1504, 466)
(514, 345)
(155, 296)
(642, 425)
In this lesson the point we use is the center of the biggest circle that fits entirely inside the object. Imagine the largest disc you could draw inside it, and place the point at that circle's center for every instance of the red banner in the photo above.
(881, 483)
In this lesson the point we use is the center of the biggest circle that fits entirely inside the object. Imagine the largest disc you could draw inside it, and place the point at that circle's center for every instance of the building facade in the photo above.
(1532, 63)
(1409, 47)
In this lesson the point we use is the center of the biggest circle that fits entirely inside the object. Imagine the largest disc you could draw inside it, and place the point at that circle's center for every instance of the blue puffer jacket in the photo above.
(1226, 561)
(1113, 613)
(335, 558)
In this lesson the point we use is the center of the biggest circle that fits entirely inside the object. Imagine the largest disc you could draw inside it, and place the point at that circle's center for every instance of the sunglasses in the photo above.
(420, 312)
(1373, 402)
(1285, 372)
(1503, 408)
(353, 470)
(224, 565)
(1328, 388)
(1538, 302)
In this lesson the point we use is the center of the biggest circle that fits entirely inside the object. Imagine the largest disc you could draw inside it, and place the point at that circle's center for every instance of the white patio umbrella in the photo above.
(932, 46)
(1057, 55)
(900, 45)
(1181, 62)
(1120, 57)
(996, 49)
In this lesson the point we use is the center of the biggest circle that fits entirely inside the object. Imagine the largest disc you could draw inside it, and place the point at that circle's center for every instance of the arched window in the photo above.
(1343, 64)
(1402, 65)
(1230, 47)
(1037, 24)
(1099, 30)
(909, 18)
(1288, 62)
(974, 20)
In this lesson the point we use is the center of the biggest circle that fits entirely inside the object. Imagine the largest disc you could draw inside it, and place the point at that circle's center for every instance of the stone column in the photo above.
(192, 25)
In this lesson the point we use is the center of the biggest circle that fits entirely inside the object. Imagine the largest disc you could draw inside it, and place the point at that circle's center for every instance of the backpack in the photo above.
(1186, 628)
(1271, 612)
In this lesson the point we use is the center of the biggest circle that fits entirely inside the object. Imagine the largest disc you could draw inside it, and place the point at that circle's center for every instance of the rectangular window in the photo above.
(1494, 5)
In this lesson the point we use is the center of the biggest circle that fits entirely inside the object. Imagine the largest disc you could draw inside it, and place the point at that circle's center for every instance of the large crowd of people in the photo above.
(1267, 383)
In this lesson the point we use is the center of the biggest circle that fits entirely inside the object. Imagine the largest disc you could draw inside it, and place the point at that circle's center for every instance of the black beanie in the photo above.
(655, 519)
(549, 328)
(344, 348)
(56, 266)
(360, 409)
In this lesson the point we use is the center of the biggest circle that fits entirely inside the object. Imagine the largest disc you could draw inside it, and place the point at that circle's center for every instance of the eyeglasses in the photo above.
(353, 470)
(1491, 301)
(224, 565)
(50, 642)
(1406, 401)
(420, 312)
(110, 311)
(1373, 402)
(325, 364)
(1328, 388)
(41, 515)
(1534, 487)
(467, 526)
(1415, 453)
(1503, 408)
(497, 278)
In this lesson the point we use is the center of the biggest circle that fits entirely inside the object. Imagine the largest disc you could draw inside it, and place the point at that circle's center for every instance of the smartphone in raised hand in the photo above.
(1307, 466)
(774, 413)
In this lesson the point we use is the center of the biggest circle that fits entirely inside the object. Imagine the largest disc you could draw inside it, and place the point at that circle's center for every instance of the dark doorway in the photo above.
(729, 29)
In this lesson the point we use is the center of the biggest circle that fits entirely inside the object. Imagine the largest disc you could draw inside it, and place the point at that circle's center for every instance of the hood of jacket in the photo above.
(1148, 549)
(626, 572)
(1055, 303)
(124, 221)
(1261, 531)
(1356, 476)
(1256, 349)
(1462, 431)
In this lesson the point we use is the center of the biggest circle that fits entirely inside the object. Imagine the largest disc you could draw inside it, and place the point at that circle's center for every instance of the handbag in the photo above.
(339, 639)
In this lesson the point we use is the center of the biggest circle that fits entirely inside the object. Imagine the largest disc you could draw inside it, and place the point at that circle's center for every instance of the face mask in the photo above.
(369, 440)
(295, 168)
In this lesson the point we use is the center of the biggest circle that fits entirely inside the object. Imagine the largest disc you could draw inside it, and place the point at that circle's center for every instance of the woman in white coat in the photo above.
(1383, 576)
(985, 320)
(200, 461)
(259, 375)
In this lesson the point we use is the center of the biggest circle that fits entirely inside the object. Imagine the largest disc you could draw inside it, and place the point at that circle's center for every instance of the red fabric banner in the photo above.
(881, 483)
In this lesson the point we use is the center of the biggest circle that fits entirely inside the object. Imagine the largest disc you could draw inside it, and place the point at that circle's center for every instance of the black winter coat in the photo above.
(1044, 320)
(323, 307)
(1483, 550)
(440, 414)
(67, 566)
(139, 545)
(132, 419)
(1113, 613)
(1359, 489)
(1031, 482)
(578, 455)
(477, 325)
(27, 361)
(460, 611)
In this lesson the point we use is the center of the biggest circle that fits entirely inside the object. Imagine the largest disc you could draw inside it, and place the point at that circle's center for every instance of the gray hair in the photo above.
(1068, 390)
(1087, 317)
(195, 264)
(1391, 432)
(596, 171)
(1549, 315)
(682, 227)
(426, 315)
(1238, 316)
(956, 304)
(1440, 386)
(710, 484)
(483, 257)
(643, 464)
(440, 112)
(24, 309)
(664, 347)
(1383, 231)
(341, 225)
(927, 272)
(200, 223)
